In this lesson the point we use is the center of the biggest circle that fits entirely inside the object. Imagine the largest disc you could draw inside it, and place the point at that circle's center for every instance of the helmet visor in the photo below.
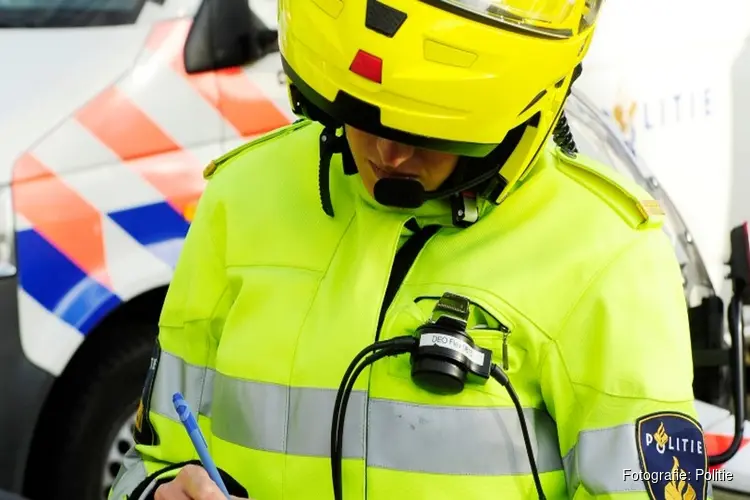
(552, 18)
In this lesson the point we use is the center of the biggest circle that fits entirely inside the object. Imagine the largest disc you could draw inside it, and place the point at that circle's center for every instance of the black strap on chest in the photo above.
(405, 257)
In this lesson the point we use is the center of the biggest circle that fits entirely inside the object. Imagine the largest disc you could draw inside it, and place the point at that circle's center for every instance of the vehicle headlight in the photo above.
(7, 232)
(559, 18)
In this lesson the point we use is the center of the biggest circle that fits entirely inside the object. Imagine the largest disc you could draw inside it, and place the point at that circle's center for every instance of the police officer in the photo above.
(432, 160)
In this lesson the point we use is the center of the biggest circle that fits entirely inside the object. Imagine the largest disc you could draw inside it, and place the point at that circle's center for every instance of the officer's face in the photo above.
(377, 158)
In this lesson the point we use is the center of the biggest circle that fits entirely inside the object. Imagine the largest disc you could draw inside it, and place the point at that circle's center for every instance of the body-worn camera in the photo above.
(443, 358)
(446, 356)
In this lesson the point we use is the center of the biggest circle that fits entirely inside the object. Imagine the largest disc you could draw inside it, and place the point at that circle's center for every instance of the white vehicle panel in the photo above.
(53, 75)
(663, 71)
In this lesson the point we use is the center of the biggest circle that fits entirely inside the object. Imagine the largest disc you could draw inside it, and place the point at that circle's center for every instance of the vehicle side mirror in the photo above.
(227, 34)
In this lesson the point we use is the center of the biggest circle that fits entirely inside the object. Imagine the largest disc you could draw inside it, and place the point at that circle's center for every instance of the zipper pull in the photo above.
(506, 334)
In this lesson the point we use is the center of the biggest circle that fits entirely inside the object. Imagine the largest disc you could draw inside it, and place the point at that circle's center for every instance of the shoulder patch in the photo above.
(215, 165)
(673, 456)
(632, 202)
(144, 430)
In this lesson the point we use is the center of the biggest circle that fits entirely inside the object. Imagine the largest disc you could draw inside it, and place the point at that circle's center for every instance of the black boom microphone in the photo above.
(406, 192)
(400, 192)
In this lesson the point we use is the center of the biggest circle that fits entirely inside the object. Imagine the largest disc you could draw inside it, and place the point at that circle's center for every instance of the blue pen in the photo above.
(199, 442)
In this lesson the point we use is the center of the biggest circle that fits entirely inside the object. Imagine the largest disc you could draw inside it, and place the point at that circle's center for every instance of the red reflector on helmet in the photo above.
(367, 66)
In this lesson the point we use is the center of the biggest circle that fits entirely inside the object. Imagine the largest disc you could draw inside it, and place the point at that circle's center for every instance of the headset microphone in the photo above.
(406, 192)
(400, 192)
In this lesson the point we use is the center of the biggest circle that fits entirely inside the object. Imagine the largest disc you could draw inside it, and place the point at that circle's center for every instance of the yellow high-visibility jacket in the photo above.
(272, 298)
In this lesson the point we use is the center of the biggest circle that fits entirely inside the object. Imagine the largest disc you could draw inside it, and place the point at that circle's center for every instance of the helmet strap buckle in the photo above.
(329, 145)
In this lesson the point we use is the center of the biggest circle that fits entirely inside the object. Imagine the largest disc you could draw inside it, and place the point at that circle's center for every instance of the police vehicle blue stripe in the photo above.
(59, 285)
(158, 227)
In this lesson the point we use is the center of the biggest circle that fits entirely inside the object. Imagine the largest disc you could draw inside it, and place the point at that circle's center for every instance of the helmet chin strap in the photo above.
(481, 174)
(470, 173)
(329, 144)
(410, 193)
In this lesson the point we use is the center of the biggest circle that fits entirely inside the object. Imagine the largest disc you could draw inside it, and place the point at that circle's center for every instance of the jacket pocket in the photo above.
(487, 328)
(505, 353)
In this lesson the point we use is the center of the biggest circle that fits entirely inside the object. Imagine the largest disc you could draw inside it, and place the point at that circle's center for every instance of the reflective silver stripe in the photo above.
(276, 418)
(600, 460)
(605, 461)
(131, 474)
(453, 440)
(172, 375)
(400, 436)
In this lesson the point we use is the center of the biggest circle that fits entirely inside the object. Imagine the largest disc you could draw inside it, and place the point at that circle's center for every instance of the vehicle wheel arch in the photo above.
(143, 309)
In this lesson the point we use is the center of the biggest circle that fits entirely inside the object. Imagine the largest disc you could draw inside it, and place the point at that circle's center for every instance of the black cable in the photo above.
(499, 375)
(342, 399)
(392, 347)
(337, 405)
(563, 136)
(337, 452)
(335, 463)
(737, 331)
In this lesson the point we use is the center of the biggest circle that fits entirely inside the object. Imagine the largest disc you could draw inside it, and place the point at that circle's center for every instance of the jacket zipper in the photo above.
(405, 257)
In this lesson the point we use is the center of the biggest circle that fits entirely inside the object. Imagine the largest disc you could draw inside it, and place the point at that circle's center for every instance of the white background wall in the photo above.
(739, 194)
(672, 69)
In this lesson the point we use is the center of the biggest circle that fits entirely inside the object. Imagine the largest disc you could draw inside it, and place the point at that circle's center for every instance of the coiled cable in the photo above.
(563, 136)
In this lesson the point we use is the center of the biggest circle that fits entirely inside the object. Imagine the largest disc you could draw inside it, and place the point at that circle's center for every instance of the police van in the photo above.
(112, 111)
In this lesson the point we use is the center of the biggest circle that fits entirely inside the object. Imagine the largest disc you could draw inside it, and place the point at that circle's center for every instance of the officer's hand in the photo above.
(191, 483)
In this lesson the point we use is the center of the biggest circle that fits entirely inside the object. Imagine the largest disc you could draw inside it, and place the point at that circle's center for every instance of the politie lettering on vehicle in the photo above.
(113, 111)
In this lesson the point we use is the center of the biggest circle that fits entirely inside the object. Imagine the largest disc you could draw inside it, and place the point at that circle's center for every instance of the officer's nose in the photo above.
(393, 154)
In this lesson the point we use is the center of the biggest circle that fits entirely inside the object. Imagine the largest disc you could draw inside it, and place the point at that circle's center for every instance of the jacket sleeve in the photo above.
(617, 379)
(194, 311)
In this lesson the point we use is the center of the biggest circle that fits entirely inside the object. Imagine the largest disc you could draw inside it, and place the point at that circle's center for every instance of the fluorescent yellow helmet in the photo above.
(473, 77)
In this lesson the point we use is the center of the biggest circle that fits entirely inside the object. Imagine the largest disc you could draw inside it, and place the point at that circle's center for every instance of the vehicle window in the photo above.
(68, 13)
